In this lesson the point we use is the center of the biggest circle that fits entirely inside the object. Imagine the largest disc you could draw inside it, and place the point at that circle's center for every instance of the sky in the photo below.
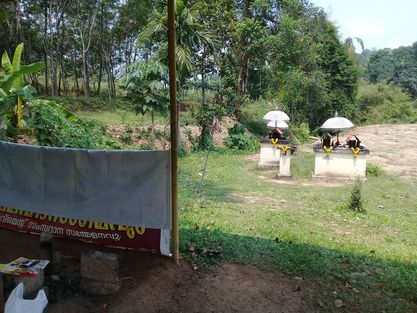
(379, 23)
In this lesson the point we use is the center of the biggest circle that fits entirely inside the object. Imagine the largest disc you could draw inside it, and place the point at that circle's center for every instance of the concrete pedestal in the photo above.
(340, 163)
(269, 155)
(285, 165)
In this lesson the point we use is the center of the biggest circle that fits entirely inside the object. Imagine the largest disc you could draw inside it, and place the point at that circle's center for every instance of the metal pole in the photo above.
(174, 127)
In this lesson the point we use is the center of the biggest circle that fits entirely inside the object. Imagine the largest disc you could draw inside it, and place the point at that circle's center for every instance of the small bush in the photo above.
(193, 140)
(55, 126)
(242, 142)
(182, 150)
(301, 133)
(374, 170)
(126, 138)
(237, 129)
(356, 203)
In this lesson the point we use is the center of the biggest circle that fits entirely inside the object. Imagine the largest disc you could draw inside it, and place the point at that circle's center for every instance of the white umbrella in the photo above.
(276, 115)
(336, 124)
(277, 124)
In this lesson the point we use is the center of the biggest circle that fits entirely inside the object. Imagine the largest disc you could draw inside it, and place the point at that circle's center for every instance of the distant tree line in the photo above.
(282, 49)
(392, 66)
(82, 43)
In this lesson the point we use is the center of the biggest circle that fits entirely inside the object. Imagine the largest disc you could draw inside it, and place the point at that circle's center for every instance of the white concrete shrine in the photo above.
(340, 162)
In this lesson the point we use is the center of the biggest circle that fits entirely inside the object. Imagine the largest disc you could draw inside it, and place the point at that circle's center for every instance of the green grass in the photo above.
(122, 117)
(303, 230)
(302, 165)
(129, 117)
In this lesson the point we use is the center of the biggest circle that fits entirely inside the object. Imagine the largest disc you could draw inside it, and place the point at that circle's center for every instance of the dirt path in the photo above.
(152, 283)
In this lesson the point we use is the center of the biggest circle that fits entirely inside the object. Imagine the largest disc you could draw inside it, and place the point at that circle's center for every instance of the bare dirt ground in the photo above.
(393, 147)
(188, 134)
(151, 283)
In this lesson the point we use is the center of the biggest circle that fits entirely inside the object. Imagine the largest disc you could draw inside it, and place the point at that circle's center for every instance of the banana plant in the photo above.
(13, 89)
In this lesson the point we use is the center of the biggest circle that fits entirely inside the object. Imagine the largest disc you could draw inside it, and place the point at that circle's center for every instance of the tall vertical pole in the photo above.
(174, 126)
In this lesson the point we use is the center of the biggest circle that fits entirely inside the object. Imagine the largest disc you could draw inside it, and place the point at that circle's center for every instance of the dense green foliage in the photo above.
(146, 85)
(12, 89)
(55, 126)
(316, 73)
(238, 140)
(82, 43)
(285, 50)
(397, 66)
(382, 103)
(392, 66)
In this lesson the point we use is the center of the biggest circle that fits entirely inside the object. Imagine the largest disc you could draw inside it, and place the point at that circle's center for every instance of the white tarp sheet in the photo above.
(119, 187)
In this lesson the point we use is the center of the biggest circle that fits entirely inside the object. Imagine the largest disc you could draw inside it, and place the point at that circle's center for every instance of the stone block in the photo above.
(31, 284)
(100, 272)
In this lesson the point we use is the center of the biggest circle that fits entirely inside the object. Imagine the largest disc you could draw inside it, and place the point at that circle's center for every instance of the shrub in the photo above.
(126, 138)
(193, 140)
(182, 150)
(237, 139)
(55, 126)
(301, 133)
(237, 129)
(356, 203)
(374, 170)
(383, 103)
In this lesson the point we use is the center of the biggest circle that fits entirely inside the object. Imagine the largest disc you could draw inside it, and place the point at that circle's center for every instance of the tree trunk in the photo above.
(86, 34)
(76, 86)
(153, 126)
(100, 73)
(59, 81)
(53, 73)
(243, 56)
(205, 128)
(45, 54)
(64, 81)
(243, 69)
(86, 79)
(18, 27)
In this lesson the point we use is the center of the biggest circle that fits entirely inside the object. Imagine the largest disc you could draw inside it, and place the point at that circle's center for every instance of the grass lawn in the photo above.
(243, 215)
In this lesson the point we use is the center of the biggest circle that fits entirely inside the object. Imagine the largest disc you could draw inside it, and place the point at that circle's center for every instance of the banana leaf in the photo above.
(7, 81)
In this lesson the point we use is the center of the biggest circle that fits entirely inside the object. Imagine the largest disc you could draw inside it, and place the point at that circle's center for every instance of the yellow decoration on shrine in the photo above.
(283, 148)
(355, 151)
(328, 150)
(274, 141)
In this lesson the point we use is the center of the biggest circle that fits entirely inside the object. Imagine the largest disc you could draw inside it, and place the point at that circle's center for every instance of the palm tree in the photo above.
(191, 38)
(191, 41)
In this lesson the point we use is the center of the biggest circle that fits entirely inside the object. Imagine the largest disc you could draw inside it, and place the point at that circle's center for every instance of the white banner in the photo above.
(119, 187)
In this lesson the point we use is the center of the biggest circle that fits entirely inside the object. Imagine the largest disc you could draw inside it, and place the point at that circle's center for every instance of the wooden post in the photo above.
(1, 293)
(174, 127)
